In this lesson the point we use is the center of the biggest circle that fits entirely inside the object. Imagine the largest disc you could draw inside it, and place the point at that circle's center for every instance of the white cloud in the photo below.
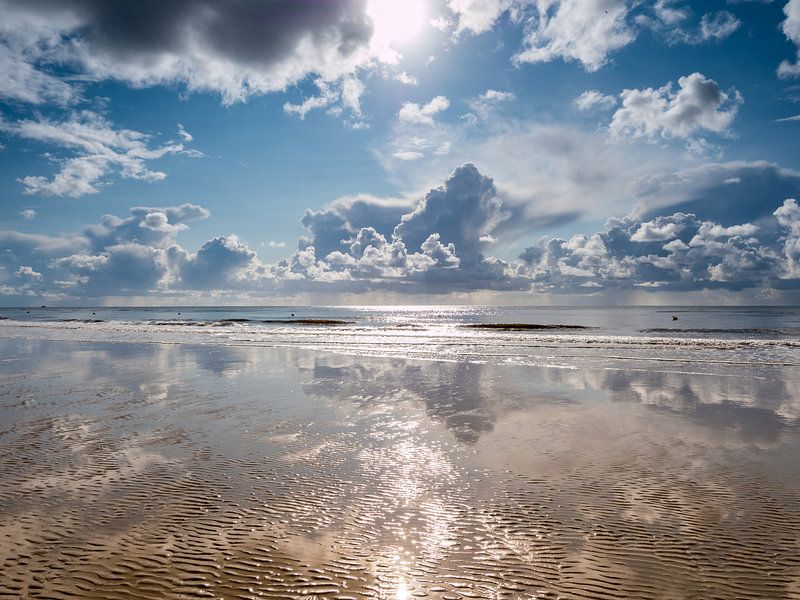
(718, 26)
(28, 214)
(338, 96)
(97, 149)
(483, 104)
(677, 252)
(184, 135)
(586, 31)
(28, 273)
(477, 16)
(423, 114)
(408, 155)
(274, 244)
(791, 28)
(20, 81)
(698, 104)
(406, 79)
(591, 99)
(791, 119)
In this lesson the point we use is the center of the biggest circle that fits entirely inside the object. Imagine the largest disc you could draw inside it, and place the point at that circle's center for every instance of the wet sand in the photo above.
(178, 471)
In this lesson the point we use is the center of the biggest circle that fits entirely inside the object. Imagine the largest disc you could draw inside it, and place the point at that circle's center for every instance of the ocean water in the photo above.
(703, 337)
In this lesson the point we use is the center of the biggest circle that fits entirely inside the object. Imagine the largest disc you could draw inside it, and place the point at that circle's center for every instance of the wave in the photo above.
(524, 326)
(230, 322)
(82, 320)
(727, 331)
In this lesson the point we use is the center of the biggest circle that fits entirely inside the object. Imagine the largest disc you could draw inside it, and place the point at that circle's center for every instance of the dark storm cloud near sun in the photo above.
(447, 181)
(235, 47)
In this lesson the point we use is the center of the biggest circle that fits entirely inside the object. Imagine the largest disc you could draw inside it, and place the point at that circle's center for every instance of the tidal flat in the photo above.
(153, 470)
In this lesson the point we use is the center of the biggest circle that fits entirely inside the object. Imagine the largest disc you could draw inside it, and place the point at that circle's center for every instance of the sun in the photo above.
(396, 21)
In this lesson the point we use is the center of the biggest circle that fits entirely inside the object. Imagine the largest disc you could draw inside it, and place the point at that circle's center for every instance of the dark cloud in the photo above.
(234, 47)
(118, 269)
(728, 193)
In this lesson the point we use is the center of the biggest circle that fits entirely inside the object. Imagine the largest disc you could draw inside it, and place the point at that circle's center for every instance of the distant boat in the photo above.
(674, 318)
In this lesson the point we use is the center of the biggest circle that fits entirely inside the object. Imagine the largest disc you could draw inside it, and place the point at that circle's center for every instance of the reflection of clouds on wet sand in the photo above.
(166, 471)
(469, 398)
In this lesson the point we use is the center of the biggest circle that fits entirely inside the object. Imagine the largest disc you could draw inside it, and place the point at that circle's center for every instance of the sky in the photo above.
(378, 151)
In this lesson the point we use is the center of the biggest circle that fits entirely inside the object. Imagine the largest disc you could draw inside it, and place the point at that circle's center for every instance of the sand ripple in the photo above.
(190, 486)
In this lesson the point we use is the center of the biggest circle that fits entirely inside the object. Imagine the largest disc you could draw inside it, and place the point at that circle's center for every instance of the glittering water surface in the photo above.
(151, 462)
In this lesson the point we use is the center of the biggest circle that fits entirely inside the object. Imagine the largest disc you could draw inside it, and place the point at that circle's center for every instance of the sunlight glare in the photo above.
(396, 21)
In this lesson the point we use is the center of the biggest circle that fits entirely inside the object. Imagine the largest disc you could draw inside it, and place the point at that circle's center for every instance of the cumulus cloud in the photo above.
(698, 104)
(95, 149)
(215, 265)
(423, 114)
(676, 252)
(435, 243)
(28, 273)
(155, 227)
(591, 99)
(28, 214)
(791, 28)
(586, 31)
(477, 16)
(121, 268)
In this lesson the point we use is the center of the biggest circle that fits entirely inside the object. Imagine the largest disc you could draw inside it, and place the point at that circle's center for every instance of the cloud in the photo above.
(671, 18)
(406, 79)
(215, 265)
(234, 48)
(490, 99)
(414, 113)
(432, 245)
(118, 269)
(698, 104)
(729, 193)
(274, 244)
(675, 252)
(718, 26)
(151, 226)
(791, 119)
(184, 135)
(28, 273)
(791, 28)
(436, 243)
(591, 99)
(28, 214)
(477, 16)
(96, 149)
(586, 31)
(20, 81)
(344, 95)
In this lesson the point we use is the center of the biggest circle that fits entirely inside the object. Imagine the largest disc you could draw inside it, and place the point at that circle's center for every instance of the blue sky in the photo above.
(376, 151)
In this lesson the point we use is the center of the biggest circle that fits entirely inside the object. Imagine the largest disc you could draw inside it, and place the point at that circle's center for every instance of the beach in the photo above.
(398, 458)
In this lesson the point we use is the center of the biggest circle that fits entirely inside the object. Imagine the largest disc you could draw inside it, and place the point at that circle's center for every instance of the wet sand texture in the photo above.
(153, 471)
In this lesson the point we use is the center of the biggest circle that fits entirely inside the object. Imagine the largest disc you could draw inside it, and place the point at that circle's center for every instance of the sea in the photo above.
(702, 338)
